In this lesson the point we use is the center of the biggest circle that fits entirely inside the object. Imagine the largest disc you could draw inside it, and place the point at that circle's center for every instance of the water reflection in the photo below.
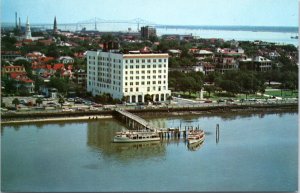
(195, 146)
(100, 136)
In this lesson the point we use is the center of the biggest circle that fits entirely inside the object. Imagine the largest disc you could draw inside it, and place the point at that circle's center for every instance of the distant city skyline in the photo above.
(169, 12)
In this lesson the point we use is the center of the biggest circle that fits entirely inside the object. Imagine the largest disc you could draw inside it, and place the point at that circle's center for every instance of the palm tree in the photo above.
(16, 102)
(61, 101)
(39, 101)
(169, 98)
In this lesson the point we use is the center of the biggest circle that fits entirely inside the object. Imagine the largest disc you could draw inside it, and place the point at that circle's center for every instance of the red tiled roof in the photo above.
(9, 67)
(21, 76)
(58, 66)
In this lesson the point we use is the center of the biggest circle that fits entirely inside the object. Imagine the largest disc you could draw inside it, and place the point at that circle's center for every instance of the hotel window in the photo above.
(159, 60)
(159, 66)
(131, 72)
(131, 61)
(137, 89)
(164, 87)
(165, 60)
(143, 83)
(159, 76)
(131, 89)
(131, 77)
(131, 83)
(159, 71)
(154, 88)
(149, 71)
(143, 66)
(137, 72)
(148, 66)
(125, 72)
(125, 83)
(143, 61)
(143, 77)
(126, 89)
(143, 71)
(154, 66)
(165, 71)
(165, 76)
(154, 77)
(153, 82)
(137, 66)
(154, 60)
(136, 83)
(159, 89)
(137, 77)
(154, 71)
(165, 65)
(148, 82)
(159, 82)
(131, 66)
(149, 60)
(148, 89)
(137, 61)
(148, 77)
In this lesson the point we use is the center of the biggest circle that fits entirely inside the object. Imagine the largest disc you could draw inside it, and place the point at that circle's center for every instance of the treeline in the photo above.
(233, 82)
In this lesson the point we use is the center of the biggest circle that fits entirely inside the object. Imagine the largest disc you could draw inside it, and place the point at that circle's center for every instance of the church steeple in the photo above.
(55, 26)
(28, 31)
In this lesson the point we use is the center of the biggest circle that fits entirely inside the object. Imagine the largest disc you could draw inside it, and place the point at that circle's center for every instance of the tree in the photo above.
(169, 98)
(148, 98)
(61, 101)
(209, 89)
(38, 101)
(16, 102)
(125, 99)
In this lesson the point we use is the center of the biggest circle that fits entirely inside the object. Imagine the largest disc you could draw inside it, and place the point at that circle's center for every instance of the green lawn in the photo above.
(284, 94)
(216, 96)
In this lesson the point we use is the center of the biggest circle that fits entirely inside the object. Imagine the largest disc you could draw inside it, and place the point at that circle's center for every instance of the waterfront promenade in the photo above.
(59, 115)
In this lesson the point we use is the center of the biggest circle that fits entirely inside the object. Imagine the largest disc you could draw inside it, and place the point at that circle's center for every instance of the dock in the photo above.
(136, 123)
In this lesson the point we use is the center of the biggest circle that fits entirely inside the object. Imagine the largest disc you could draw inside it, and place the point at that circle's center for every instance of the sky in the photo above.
(170, 12)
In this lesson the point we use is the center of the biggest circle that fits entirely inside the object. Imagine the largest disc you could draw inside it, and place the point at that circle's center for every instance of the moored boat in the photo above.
(136, 136)
(196, 136)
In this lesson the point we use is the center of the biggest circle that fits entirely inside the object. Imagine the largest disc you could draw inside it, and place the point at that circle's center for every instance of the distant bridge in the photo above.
(94, 23)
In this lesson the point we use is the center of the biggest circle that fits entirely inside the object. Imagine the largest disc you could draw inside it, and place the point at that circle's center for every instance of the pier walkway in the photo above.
(134, 121)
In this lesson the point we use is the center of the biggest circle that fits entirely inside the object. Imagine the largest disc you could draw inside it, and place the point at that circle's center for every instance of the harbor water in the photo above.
(255, 152)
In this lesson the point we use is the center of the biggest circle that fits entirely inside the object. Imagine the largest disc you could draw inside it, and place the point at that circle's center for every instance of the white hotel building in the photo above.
(132, 75)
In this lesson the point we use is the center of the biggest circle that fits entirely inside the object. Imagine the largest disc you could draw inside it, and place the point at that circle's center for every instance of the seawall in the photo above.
(30, 117)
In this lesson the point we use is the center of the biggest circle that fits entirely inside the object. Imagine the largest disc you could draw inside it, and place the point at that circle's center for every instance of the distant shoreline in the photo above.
(281, 29)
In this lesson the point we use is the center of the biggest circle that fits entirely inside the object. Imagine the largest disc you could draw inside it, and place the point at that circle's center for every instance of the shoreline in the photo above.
(57, 119)
(88, 116)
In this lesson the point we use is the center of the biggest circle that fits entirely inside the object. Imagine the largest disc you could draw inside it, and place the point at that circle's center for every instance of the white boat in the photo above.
(196, 136)
(136, 136)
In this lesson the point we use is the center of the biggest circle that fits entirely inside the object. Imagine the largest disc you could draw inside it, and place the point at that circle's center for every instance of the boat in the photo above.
(196, 136)
(294, 37)
(136, 136)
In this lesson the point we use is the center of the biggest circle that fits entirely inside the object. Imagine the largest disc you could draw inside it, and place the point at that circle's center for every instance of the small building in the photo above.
(66, 59)
(80, 77)
(10, 55)
(262, 64)
(147, 32)
(12, 69)
(174, 53)
(22, 82)
(224, 64)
